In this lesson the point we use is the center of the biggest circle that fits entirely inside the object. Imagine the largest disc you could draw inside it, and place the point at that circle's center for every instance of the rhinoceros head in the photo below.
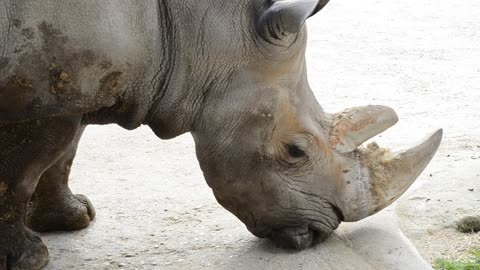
(290, 171)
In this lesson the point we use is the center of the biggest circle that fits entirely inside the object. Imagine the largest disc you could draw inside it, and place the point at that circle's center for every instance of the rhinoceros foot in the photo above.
(23, 250)
(68, 213)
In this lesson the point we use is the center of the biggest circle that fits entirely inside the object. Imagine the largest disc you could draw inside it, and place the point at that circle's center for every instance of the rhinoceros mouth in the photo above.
(302, 236)
(296, 238)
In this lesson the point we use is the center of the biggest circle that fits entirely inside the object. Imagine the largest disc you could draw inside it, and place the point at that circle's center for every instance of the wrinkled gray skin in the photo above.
(230, 72)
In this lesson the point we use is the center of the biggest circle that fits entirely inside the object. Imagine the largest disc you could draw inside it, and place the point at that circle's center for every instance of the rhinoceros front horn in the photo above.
(379, 177)
(374, 177)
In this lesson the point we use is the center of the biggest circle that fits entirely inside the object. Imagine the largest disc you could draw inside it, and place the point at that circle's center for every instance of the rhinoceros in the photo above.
(232, 73)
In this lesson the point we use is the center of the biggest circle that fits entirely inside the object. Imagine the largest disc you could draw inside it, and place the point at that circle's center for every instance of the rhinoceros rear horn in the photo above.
(284, 17)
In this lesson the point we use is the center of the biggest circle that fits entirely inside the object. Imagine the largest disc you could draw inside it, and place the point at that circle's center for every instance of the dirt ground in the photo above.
(420, 57)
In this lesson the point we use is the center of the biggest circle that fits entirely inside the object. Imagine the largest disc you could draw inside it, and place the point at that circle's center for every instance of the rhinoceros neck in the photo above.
(196, 68)
(168, 85)
(170, 113)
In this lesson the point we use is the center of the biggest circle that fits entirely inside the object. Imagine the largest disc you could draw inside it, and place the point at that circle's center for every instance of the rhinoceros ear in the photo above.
(284, 17)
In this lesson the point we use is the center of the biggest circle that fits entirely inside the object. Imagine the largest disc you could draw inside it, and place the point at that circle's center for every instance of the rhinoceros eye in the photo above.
(296, 151)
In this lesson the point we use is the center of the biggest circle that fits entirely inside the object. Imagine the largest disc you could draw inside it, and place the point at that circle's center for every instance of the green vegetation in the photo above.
(470, 263)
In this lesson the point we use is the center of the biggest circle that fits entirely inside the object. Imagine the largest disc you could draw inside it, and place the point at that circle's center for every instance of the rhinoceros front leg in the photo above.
(53, 206)
(26, 150)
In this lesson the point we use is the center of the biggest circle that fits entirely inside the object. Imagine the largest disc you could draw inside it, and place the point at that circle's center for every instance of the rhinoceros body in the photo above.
(64, 58)
(231, 73)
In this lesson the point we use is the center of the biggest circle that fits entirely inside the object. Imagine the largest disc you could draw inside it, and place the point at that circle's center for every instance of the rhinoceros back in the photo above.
(72, 57)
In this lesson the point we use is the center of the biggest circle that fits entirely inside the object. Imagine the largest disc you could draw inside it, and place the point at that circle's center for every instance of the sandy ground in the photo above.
(420, 57)
(423, 59)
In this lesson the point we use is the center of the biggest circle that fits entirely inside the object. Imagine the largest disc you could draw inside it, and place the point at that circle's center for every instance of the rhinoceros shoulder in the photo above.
(61, 58)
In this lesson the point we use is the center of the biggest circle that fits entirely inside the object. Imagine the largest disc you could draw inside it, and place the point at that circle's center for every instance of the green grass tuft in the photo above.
(471, 263)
